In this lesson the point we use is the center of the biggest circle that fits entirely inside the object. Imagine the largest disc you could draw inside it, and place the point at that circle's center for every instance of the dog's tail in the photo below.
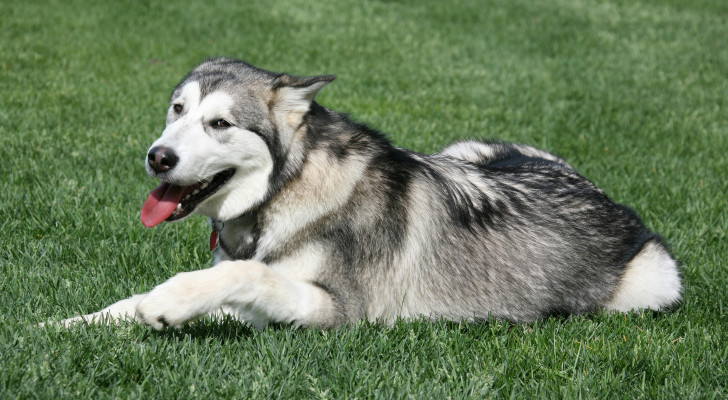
(488, 153)
(650, 280)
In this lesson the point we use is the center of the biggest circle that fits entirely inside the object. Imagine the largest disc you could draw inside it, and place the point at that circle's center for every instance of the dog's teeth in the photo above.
(204, 185)
(195, 192)
(179, 206)
(187, 197)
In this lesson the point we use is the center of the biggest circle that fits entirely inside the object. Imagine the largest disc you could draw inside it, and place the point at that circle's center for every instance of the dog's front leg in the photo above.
(243, 287)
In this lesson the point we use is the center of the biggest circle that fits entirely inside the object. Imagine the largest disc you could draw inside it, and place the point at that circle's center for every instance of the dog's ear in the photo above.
(293, 97)
(299, 91)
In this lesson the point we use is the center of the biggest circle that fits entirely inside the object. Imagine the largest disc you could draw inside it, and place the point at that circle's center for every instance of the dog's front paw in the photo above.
(177, 301)
(68, 322)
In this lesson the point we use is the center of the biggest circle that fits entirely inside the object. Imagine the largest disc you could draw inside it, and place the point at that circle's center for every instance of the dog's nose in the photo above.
(161, 159)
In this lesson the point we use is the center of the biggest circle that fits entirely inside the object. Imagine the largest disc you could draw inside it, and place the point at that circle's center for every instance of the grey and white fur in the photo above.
(323, 221)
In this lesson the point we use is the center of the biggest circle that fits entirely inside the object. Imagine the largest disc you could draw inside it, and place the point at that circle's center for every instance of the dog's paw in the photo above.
(66, 322)
(95, 318)
(177, 301)
(121, 311)
(89, 319)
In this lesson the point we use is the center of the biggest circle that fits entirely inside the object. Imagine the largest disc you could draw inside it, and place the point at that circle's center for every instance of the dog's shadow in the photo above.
(227, 330)
(221, 329)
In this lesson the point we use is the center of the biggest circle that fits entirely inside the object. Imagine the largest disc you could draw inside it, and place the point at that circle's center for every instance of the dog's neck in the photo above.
(315, 179)
(237, 238)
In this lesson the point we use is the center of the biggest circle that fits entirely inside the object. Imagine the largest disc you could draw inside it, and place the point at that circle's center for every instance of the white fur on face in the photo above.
(205, 152)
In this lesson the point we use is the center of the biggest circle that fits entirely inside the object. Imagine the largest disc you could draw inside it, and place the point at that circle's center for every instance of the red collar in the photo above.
(214, 239)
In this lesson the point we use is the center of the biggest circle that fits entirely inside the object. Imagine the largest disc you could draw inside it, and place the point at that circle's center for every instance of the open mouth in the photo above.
(169, 202)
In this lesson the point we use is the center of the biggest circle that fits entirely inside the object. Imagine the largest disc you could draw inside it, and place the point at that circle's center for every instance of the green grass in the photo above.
(633, 93)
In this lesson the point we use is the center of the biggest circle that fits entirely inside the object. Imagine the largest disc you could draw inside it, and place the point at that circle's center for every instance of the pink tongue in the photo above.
(160, 204)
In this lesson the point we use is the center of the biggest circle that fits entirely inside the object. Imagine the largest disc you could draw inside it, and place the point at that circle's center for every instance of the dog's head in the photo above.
(228, 126)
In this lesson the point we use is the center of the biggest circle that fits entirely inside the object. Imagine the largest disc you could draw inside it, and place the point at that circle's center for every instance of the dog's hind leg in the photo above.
(123, 310)
(650, 280)
(243, 288)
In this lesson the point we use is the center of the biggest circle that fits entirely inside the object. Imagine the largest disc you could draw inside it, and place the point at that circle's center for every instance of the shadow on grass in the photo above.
(223, 329)
(228, 330)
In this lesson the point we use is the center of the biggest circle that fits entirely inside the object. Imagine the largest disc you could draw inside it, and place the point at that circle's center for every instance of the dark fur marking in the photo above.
(244, 250)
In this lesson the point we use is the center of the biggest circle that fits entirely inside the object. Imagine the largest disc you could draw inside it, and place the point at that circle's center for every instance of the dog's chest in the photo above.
(240, 243)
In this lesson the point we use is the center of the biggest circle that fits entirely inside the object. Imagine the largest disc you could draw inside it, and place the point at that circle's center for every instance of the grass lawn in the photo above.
(633, 93)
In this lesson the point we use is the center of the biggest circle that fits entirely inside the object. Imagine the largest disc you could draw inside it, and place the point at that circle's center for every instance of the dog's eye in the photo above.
(221, 124)
(177, 108)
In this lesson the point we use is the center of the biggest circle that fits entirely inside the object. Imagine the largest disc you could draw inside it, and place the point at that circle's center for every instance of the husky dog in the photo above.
(320, 220)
